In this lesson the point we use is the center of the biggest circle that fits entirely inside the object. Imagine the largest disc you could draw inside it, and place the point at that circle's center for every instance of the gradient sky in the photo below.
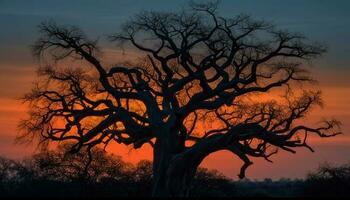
(325, 21)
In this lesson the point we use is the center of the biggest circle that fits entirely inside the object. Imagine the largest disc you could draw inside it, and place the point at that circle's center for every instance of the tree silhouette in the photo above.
(78, 167)
(328, 180)
(200, 69)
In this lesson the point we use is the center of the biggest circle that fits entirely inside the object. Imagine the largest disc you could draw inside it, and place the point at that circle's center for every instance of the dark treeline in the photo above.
(59, 174)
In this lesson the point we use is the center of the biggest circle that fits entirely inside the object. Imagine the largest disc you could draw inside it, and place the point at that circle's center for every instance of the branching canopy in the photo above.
(198, 68)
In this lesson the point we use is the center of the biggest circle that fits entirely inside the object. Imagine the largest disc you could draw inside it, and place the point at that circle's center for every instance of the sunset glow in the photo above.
(18, 73)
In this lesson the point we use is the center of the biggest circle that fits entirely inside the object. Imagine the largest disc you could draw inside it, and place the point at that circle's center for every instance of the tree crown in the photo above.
(199, 68)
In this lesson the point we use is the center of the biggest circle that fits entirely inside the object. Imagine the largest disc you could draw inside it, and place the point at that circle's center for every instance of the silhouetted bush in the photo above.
(329, 180)
(211, 183)
(62, 174)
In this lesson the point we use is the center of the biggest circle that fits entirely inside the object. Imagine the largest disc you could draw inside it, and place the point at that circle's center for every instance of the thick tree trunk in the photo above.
(173, 177)
(169, 176)
(174, 171)
(174, 167)
(180, 174)
(161, 160)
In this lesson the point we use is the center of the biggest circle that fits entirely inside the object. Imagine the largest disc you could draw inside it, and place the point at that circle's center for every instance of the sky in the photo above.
(325, 21)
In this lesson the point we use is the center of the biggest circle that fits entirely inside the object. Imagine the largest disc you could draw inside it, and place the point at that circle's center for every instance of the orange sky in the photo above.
(16, 80)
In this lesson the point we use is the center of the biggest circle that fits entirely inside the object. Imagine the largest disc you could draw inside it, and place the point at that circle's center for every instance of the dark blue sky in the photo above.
(322, 20)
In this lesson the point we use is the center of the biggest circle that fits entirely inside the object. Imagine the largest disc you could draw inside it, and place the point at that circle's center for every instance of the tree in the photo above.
(199, 68)
(328, 180)
(78, 167)
(7, 172)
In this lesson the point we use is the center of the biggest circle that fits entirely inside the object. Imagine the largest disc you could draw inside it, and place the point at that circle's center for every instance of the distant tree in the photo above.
(59, 165)
(8, 173)
(211, 183)
(143, 171)
(6, 166)
(59, 172)
(329, 180)
(190, 97)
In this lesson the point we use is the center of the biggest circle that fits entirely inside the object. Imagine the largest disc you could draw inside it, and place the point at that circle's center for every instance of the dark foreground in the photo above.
(60, 175)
